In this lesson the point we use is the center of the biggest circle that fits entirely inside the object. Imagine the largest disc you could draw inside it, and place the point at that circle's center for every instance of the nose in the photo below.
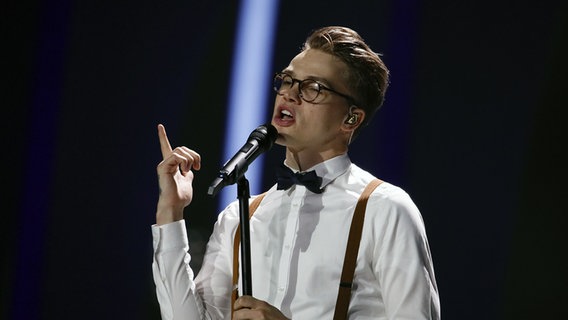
(292, 94)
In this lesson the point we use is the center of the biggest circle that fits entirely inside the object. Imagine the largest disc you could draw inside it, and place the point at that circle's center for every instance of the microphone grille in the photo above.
(265, 134)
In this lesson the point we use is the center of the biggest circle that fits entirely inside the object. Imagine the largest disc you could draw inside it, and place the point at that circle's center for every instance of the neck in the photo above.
(303, 159)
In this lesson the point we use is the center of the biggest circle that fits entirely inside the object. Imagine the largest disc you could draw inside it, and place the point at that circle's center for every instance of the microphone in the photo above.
(259, 141)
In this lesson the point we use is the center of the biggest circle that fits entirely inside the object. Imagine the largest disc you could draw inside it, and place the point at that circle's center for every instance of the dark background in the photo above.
(474, 128)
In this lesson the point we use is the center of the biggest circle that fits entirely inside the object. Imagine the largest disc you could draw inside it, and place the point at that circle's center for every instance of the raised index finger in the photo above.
(164, 142)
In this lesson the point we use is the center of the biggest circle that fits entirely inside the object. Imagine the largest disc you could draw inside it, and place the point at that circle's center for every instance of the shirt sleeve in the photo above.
(214, 283)
(175, 288)
(403, 263)
(208, 296)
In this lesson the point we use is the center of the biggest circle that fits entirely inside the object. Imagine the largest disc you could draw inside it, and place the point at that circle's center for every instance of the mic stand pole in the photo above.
(243, 193)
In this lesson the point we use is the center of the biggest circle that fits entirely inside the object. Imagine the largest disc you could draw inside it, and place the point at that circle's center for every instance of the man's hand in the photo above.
(175, 179)
(247, 307)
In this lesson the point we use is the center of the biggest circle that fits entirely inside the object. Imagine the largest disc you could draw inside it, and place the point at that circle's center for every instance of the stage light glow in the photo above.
(248, 98)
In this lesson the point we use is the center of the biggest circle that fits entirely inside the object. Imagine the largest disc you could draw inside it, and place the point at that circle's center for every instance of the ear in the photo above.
(353, 119)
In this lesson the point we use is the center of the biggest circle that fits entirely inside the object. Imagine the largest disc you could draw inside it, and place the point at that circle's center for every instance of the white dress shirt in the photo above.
(298, 240)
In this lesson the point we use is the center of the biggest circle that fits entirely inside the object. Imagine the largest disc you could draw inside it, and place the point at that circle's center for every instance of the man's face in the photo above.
(312, 125)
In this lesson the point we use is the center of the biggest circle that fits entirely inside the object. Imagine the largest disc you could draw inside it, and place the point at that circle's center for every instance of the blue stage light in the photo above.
(248, 97)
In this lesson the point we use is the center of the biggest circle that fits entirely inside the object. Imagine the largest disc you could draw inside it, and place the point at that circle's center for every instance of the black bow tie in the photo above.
(287, 178)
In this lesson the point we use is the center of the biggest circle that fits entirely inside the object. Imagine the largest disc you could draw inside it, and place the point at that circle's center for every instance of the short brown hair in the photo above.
(368, 75)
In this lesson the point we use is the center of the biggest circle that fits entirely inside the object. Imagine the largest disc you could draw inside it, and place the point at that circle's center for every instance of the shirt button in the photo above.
(281, 289)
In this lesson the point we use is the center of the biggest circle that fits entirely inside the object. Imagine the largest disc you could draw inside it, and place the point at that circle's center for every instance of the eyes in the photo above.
(310, 89)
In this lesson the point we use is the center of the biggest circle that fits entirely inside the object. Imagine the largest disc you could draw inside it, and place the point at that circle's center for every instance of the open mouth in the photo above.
(286, 115)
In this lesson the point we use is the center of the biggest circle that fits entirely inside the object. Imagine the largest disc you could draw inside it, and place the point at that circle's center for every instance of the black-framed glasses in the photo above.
(310, 89)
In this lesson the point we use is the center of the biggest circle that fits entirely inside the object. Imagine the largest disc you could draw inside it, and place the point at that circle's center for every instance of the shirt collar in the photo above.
(330, 169)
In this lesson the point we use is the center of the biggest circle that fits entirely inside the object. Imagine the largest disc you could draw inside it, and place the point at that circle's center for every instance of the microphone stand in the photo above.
(243, 194)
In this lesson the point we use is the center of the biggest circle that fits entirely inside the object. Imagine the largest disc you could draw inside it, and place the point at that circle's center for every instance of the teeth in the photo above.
(286, 113)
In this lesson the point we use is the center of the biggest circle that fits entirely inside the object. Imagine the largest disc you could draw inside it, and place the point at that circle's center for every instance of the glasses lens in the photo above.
(277, 83)
(309, 89)
(282, 81)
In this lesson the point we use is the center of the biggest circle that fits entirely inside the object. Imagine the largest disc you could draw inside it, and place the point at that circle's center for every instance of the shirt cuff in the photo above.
(169, 236)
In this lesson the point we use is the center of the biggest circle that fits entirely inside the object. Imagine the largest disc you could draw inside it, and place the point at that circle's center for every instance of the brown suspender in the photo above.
(346, 282)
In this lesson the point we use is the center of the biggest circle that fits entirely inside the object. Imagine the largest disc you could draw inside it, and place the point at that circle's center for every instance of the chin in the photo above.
(280, 140)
